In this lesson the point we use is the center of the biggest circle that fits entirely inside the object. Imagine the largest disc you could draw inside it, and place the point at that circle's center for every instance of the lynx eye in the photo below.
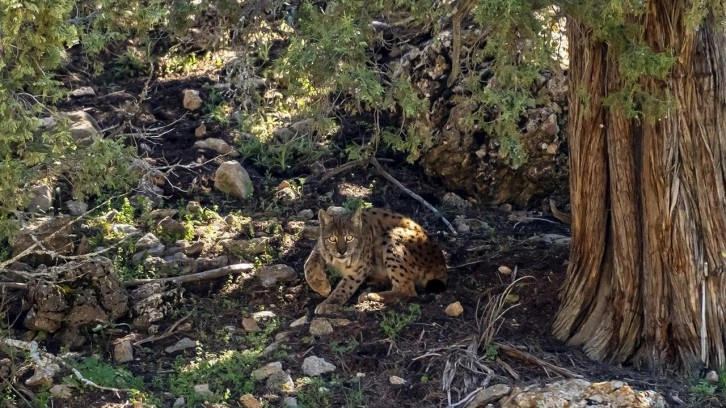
(348, 238)
(332, 238)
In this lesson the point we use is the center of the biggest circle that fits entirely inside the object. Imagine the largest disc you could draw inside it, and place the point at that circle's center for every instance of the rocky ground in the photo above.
(240, 331)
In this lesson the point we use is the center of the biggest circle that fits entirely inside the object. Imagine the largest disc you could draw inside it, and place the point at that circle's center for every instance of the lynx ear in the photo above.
(356, 219)
(324, 217)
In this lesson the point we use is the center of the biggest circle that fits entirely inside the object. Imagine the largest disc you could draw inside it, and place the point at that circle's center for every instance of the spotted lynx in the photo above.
(374, 245)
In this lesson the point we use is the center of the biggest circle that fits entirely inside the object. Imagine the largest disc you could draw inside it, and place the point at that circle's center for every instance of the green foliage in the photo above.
(343, 347)
(106, 375)
(394, 322)
(314, 393)
(353, 203)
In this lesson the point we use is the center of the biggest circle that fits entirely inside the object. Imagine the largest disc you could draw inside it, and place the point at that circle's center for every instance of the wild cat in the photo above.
(374, 245)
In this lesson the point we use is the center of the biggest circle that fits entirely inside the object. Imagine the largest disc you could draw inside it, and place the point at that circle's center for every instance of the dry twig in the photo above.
(195, 277)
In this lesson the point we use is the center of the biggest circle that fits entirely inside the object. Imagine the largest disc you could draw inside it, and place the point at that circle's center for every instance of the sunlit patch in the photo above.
(369, 306)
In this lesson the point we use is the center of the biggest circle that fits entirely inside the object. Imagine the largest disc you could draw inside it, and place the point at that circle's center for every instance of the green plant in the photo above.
(424, 379)
(394, 322)
(104, 374)
(313, 393)
(343, 347)
(353, 203)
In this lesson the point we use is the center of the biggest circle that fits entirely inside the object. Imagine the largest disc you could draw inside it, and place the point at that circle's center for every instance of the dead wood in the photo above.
(195, 277)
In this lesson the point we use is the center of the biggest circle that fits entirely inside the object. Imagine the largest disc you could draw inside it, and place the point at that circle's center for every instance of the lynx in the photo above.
(377, 246)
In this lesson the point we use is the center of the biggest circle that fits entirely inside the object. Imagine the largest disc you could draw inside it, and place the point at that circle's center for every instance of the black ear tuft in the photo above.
(435, 286)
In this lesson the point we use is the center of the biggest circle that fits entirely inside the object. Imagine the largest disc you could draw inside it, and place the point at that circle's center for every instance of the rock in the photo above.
(306, 214)
(84, 129)
(149, 244)
(315, 366)
(454, 309)
(200, 131)
(124, 229)
(45, 369)
(272, 275)
(250, 325)
(290, 402)
(83, 91)
(42, 199)
(712, 377)
(232, 179)
(170, 227)
(489, 395)
(580, 393)
(299, 322)
(180, 345)
(193, 207)
(254, 246)
(266, 371)
(161, 213)
(123, 352)
(320, 327)
(504, 270)
(249, 401)
(205, 264)
(217, 145)
(193, 249)
(179, 402)
(76, 208)
(202, 390)
(335, 210)
(191, 100)
(396, 380)
(61, 391)
(454, 200)
(42, 228)
(98, 297)
(280, 381)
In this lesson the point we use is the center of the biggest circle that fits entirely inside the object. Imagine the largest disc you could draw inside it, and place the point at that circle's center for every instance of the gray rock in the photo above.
(203, 390)
(320, 327)
(314, 366)
(217, 145)
(488, 395)
(179, 402)
(272, 275)
(232, 179)
(42, 199)
(266, 371)
(76, 208)
(84, 129)
(83, 91)
(61, 391)
(123, 352)
(290, 402)
(180, 345)
(280, 381)
(299, 322)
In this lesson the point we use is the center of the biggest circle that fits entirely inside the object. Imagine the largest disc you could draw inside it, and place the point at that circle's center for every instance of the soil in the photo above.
(419, 353)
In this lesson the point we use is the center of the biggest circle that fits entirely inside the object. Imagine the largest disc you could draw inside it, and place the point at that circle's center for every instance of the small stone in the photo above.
(182, 344)
(170, 226)
(76, 208)
(61, 391)
(179, 402)
(202, 390)
(455, 201)
(249, 401)
(250, 325)
(290, 402)
(216, 145)
(200, 131)
(320, 327)
(191, 100)
(340, 322)
(712, 377)
(306, 214)
(454, 309)
(123, 352)
(335, 210)
(396, 380)
(83, 91)
(272, 275)
(504, 270)
(266, 371)
(315, 366)
(42, 200)
(264, 314)
(84, 128)
(280, 381)
(489, 395)
(299, 322)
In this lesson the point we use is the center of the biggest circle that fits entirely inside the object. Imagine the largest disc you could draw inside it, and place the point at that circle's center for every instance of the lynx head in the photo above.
(340, 235)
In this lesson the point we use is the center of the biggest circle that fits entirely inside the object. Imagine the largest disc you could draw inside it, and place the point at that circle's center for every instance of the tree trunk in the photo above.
(649, 217)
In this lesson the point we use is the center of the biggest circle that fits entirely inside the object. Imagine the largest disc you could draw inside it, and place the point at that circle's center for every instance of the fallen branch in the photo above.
(529, 358)
(375, 163)
(169, 332)
(195, 277)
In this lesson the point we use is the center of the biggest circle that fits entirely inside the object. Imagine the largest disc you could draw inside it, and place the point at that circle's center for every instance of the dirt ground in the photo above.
(420, 351)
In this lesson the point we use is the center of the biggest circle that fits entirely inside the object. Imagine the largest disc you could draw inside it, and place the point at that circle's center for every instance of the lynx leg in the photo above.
(315, 273)
(345, 289)
(402, 289)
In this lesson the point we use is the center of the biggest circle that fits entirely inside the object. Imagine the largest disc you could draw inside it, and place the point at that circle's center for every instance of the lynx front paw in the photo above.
(327, 309)
(370, 297)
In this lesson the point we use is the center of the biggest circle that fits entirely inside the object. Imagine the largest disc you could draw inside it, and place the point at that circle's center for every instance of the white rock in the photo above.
(182, 344)
(314, 366)
(202, 390)
(396, 380)
(231, 178)
(179, 402)
(83, 91)
(299, 322)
